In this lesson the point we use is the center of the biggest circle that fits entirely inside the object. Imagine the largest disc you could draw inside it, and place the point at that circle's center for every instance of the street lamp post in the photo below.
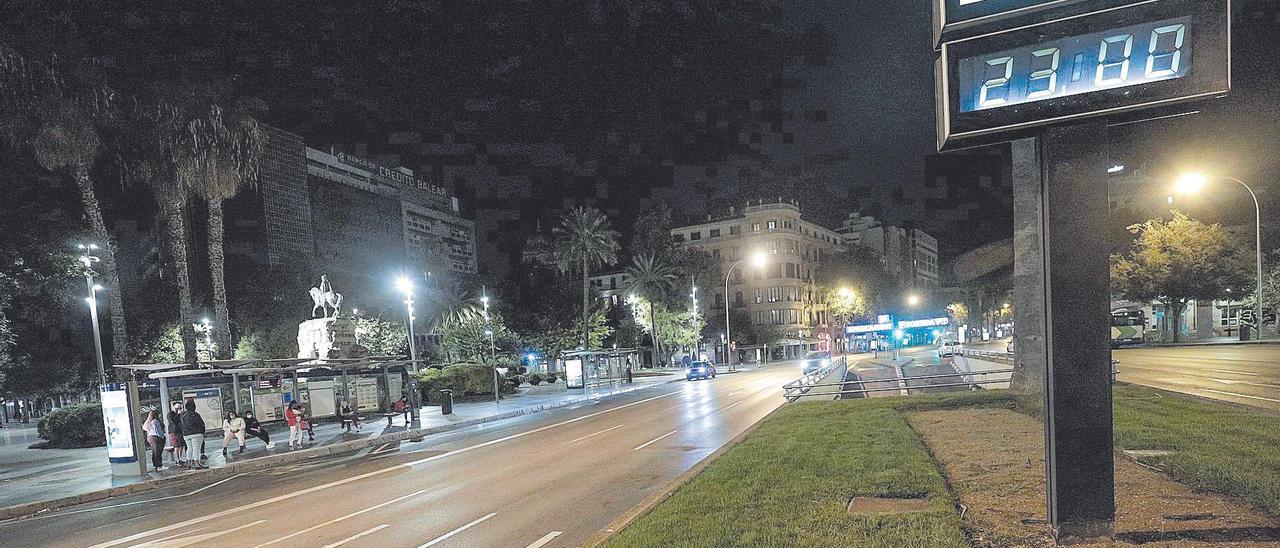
(757, 259)
(694, 313)
(405, 286)
(493, 351)
(88, 259)
(1192, 183)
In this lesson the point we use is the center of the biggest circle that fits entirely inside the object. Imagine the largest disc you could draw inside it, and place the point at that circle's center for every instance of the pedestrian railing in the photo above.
(998, 357)
(805, 384)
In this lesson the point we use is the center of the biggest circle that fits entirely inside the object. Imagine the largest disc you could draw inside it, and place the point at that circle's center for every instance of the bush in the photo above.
(550, 378)
(465, 379)
(73, 427)
(535, 379)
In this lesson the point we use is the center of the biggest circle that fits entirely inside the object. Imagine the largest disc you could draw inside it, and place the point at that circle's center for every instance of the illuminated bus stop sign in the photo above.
(1104, 62)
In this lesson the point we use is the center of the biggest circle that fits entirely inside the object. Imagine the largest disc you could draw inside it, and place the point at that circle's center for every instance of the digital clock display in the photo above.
(1128, 56)
(1015, 75)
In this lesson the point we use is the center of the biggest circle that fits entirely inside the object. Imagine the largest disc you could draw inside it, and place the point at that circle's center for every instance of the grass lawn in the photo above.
(789, 482)
(1220, 447)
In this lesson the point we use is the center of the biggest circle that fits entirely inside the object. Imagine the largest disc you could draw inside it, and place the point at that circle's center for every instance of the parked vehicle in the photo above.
(700, 370)
(814, 361)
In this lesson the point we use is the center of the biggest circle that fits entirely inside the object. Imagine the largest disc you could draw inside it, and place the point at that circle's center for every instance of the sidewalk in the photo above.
(59, 475)
(1215, 341)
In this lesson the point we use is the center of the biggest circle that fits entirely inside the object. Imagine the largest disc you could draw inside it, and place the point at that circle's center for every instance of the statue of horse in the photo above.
(324, 298)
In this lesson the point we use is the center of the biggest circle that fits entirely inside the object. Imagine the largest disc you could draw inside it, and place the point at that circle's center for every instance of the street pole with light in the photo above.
(406, 286)
(87, 258)
(757, 259)
(694, 313)
(493, 350)
(1193, 183)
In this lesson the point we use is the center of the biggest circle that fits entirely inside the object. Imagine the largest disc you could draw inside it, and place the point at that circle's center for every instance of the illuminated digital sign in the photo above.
(1111, 61)
(956, 19)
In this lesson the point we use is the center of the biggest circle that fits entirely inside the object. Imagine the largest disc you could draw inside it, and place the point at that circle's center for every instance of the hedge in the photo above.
(73, 426)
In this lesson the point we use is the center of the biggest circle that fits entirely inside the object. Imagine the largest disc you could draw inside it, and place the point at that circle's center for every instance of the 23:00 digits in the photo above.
(1116, 58)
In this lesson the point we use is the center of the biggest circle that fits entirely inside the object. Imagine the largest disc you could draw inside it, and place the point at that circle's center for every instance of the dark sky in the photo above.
(881, 84)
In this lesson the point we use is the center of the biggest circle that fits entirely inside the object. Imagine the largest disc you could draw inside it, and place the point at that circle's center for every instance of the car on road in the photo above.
(948, 349)
(814, 361)
(700, 370)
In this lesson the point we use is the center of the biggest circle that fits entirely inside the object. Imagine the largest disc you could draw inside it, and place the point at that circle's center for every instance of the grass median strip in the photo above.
(788, 484)
(1217, 446)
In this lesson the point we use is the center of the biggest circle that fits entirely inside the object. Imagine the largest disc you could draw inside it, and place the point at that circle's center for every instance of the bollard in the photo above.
(446, 402)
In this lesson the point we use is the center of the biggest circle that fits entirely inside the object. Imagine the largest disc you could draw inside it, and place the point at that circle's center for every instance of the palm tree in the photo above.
(449, 303)
(648, 278)
(235, 145)
(37, 110)
(584, 240)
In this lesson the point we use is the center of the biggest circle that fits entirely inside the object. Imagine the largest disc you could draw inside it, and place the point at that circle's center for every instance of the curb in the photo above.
(270, 461)
(650, 502)
(1196, 343)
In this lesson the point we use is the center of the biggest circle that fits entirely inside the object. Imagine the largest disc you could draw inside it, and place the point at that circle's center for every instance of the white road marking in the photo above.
(196, 530)
(445, 536)
(336, 520)
(545, 539)
(364, 476)
(734, 393)
(1247, 383)
(595, 434)
(1233, 372)
(654, 440)
(170, 497)
(1273, 400)
(173, 542)
(357, 535)
(731, 406)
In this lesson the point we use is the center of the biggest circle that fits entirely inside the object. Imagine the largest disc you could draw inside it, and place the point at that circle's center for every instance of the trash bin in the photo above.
(446, 402)
(1246, 332)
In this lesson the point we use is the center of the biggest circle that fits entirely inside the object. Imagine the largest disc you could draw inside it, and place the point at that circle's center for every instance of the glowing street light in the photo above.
(913, 300)
(1194, 183)
(87, 259)
(758, 260)
(405, 285)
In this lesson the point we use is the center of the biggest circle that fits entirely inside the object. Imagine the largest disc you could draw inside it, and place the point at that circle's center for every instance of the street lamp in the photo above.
(493, 350)
(1193, 183)
(758, 259)
(406, 286)
(913, 300)
(87, 258)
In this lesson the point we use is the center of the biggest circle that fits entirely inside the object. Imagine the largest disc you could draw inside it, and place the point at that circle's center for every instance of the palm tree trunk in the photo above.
(222, 317)
(585, 303)
(177, 226)
(653, 331)
(110, 274)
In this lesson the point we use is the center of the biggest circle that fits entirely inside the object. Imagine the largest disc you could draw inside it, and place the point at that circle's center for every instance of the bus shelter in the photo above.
(268, 386)
(591, 368)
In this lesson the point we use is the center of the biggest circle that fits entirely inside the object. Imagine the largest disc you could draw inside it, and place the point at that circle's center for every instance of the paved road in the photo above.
(1246, 374)
(548, 479)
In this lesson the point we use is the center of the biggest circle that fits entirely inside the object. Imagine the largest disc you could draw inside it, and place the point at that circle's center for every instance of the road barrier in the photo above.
(806, 385)
(811, 385)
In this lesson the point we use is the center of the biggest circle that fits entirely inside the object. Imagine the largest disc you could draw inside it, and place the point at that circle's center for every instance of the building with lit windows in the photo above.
(782, 298)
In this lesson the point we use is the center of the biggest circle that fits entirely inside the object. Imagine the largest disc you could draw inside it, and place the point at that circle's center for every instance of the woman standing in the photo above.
(192, 430)
(293, 416)
(155, 437)
(175, 433)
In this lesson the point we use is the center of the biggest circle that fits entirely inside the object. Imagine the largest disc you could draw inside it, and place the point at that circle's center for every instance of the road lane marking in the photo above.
(1246, 383)
(170, 497)
(445, 536)
(596, 434)
(348, 516)
(356, 536)
(1233, 394)
(654, 440)
(174, 542)
(197, 530)
(731, 406)
(364, 476)
(545, 539)
(1234, 372)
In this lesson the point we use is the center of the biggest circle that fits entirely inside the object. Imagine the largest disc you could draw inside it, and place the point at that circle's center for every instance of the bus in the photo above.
(1127, 327)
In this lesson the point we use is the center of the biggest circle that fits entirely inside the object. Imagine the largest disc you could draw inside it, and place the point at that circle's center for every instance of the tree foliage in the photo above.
(383, 337)
(861, 271)
(584, 239)
(1179, 260)
(466, 340)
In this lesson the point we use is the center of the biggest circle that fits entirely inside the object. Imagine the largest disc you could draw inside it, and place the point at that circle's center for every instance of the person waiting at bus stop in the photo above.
(254, 428)
(232, 427)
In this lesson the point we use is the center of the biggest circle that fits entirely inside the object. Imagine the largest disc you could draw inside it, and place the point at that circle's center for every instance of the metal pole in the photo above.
(97, 336)
(414, 397)
(728, 339)
(235, 391)
(1257, 215)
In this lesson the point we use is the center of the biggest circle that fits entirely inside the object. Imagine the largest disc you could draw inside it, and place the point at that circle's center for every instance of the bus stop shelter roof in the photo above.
(261, 367)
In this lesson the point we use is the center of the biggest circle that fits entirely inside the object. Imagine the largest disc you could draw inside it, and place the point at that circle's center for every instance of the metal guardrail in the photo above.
(998, 357)
(802, 386)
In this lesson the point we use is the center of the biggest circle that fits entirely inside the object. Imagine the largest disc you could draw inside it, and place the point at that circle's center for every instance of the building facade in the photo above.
(910, 256)
(351, 218)
(782, 297)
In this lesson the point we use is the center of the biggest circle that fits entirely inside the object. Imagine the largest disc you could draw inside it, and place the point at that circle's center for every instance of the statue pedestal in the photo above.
(329, 338)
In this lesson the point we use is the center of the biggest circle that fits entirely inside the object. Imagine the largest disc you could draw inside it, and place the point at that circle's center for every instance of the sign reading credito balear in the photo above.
(394, 177)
